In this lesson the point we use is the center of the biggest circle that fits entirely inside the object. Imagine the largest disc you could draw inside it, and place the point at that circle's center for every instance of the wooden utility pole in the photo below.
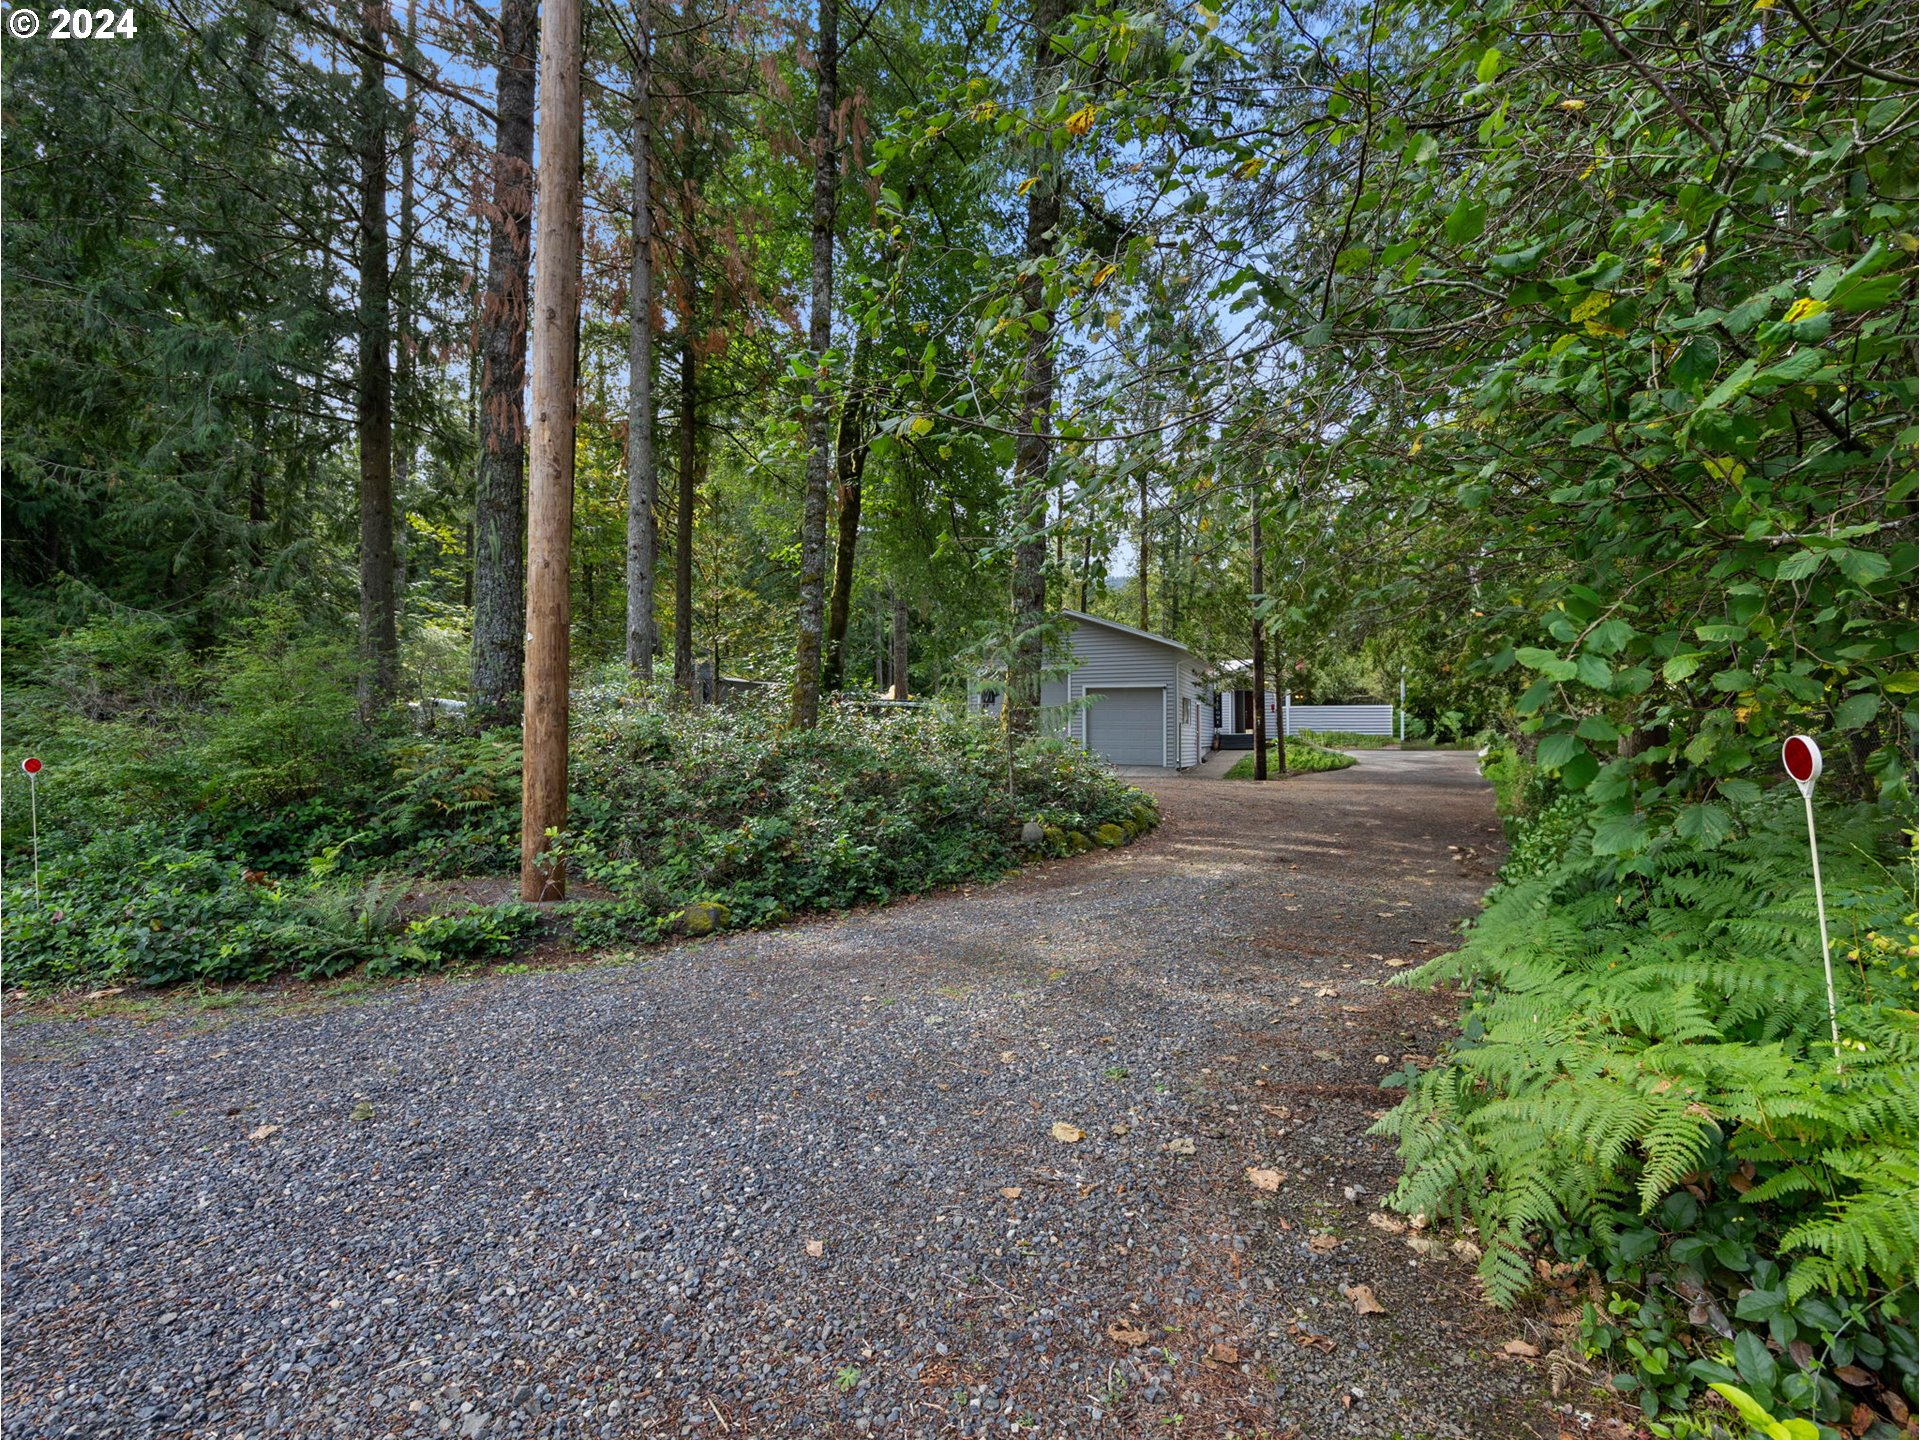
(1254, 588)
(543, 793)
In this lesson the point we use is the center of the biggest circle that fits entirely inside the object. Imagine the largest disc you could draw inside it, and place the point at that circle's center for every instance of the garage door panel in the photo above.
(1127, 725)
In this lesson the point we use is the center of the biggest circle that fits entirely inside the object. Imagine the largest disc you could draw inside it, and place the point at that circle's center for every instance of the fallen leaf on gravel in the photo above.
(1265, 1179)
(1325, 1055)
(1007, 1057)
(261, 1132)
(1324, 991)
(1520, 1348)
(1380, 1220)
(1307, 1340)
(1424, 1245)
(1383, 1059)
(1126, 1334)
(1323, 1242)
(1221, 1353)
(361, 1112)
(1279, 1112)
(1181, 1145)
(1119, 1128)
(1012, 1192)
(816, 1248)
(1396, 964)
(1361, 1298)
(1466, 1250)
(1067, 1134)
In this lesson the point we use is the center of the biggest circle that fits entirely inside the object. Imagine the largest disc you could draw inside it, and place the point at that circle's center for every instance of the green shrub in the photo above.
(1303, 757)
(175, 879)
(1645, 1082)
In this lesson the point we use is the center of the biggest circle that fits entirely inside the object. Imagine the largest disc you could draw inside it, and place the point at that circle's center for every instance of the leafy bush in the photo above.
(1303, 757)
(177, 879)
(677, 806)
(1645, 1082)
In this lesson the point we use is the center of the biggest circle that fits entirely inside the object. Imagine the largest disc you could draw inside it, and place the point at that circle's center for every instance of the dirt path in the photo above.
(799, 1182)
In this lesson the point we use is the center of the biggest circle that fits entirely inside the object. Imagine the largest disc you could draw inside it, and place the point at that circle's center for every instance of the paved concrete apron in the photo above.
(801, 1182)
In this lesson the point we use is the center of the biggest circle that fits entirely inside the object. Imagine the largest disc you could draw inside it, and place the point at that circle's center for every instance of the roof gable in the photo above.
(1087, 619)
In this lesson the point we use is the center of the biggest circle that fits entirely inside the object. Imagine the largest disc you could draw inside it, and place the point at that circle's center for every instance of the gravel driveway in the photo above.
(800, 1182)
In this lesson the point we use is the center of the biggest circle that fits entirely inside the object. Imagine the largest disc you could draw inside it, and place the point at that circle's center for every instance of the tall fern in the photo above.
(1626, 1034)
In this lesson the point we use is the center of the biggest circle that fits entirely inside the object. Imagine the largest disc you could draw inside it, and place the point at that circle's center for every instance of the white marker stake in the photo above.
(32, 766)
(1802, 760)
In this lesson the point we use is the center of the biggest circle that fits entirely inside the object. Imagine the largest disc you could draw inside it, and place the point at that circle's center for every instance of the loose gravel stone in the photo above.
(793, 1182)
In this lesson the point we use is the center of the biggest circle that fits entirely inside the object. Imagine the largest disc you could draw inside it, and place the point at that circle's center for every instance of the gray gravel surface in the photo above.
(799, 1182)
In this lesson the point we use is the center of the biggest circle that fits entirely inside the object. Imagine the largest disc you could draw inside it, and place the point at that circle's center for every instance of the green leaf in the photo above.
(1598, 728)
(1733, 386)
(1578, 772)
(1708, 824)
(1546, 662)
(1609, 637)
(1799, 565)
(1594, 672)
(1489, 66)
(1557, 750)
(1621, 835)
(1856, 710)
(1681, 666)
(1517, 262)
(1466, 222)
(1862, 567)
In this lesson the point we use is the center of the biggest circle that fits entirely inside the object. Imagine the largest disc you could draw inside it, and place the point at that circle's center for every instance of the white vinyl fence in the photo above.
(1347, 719)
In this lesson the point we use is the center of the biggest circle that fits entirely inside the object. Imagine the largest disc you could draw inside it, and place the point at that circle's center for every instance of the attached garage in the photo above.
(1130, 697)
(1128, 724)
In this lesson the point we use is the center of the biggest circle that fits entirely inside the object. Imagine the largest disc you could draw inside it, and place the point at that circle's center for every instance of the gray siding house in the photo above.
(1129, 697)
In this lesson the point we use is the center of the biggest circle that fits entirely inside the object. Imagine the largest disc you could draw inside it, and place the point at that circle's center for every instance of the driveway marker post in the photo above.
(1801, 757)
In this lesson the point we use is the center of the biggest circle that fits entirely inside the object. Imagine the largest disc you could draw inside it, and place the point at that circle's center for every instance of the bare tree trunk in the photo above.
(1146, 542)
(379, 631)
(805, 712)
(688, 484)
(900, 687)
(1034, 454)
(499, 502)
(405, 360)
(543, 793)
(643, 479)
(851, 460)
(1255, 595)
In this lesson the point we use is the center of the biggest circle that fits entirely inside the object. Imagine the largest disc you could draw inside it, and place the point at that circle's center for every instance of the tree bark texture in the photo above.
(851, 463)
(379, 629)
(643, 479)
(805, 710)
(688, 488)
(500, 544)
(900, 686)
(1255, 587)
(1034, 453)
(543, 792)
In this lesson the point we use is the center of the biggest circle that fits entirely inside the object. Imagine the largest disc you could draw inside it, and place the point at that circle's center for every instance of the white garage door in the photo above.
(1128, 726)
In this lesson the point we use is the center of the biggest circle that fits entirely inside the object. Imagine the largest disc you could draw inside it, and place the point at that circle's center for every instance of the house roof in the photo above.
(1125, 629)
